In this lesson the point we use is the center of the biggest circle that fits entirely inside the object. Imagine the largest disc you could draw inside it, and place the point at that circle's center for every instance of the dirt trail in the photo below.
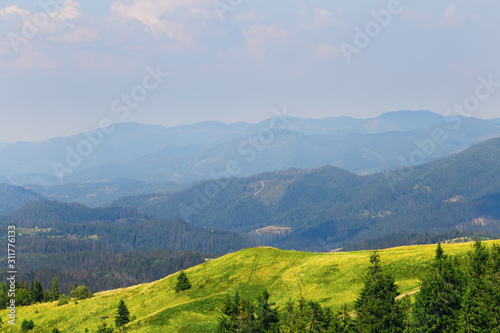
(408, 294)
(260, 189)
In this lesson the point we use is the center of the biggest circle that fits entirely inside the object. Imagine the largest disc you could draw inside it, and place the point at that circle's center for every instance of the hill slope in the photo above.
(14, 197)
(331, 279)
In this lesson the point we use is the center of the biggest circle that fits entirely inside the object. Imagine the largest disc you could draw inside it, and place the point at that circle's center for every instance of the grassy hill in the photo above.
(332, 279)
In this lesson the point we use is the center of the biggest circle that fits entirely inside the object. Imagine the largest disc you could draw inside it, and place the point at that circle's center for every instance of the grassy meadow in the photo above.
(331, 278)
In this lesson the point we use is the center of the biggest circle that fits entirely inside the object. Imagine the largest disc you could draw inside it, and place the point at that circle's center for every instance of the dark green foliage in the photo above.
(239, 315)
(267, 314)
(438, 304)
(481, 301)
(122, 314)
(63, 300)
(55, 330)
(103, 328)
(182, 282)
(376, 307)
(81, 292)
(36, 292)
(23, 295)
(27, 325)
(54, 290)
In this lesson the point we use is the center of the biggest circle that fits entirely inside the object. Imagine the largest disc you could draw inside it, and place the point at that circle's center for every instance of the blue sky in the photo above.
(63, 78)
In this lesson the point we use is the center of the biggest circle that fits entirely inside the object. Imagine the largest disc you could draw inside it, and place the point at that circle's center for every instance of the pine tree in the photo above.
(437, 305)
(23, 295)
(27, 325)
(479, 301)
(54, 289)
(267, 315)
(182, 282)
(122, 314)
(376, 307)
(37, 292)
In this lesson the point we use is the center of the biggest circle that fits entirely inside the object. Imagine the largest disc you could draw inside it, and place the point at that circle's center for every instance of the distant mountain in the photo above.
(14, 197)
(99, 192)
(359, 153)
(193, 152)
(387, 122)
(330, 207)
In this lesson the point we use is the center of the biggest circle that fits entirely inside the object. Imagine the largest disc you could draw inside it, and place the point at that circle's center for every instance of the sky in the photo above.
(67, 66)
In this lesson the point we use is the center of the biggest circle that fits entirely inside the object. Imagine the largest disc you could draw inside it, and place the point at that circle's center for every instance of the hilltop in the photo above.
(332, 279)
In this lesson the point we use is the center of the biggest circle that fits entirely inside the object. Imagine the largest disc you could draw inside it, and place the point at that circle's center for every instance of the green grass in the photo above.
(331, 279)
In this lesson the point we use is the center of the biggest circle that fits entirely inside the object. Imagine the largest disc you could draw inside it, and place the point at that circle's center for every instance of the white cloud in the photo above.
(161, 19)
(68, 11)
(13, 10)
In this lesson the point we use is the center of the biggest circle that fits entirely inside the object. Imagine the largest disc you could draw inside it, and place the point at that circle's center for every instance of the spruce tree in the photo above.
(479, 301)
(54, 289)
(267, 315)
(182, 282)
(376, 307)
(437, 305)
(122, 314)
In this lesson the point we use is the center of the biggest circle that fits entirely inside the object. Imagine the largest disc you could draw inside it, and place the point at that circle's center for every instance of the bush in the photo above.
(81, 292)
(63, 300)
(27, 325)
(55, 330)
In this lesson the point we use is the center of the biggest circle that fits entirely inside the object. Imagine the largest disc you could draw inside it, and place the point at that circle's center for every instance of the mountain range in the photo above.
(191, 153)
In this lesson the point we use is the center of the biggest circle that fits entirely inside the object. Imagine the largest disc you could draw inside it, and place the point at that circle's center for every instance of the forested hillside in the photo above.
(107, 247)
(14, 197)
(327, 208)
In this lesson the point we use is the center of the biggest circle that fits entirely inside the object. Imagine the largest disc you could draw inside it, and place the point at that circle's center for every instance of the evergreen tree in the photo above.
(37, 292)
(54, 289)
(122, 314)
(342, 322)
(376, 307)
(27, 325)
(267, 314)
(23, 295)
(437, 305)
(182, 282)
(479, 300)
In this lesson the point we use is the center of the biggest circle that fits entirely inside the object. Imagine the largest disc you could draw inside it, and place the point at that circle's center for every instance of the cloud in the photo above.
(164, 17)
(13, 10)
(79, 35)
(68, 11)
(450, 11)
(321, 19)
(259, 37)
